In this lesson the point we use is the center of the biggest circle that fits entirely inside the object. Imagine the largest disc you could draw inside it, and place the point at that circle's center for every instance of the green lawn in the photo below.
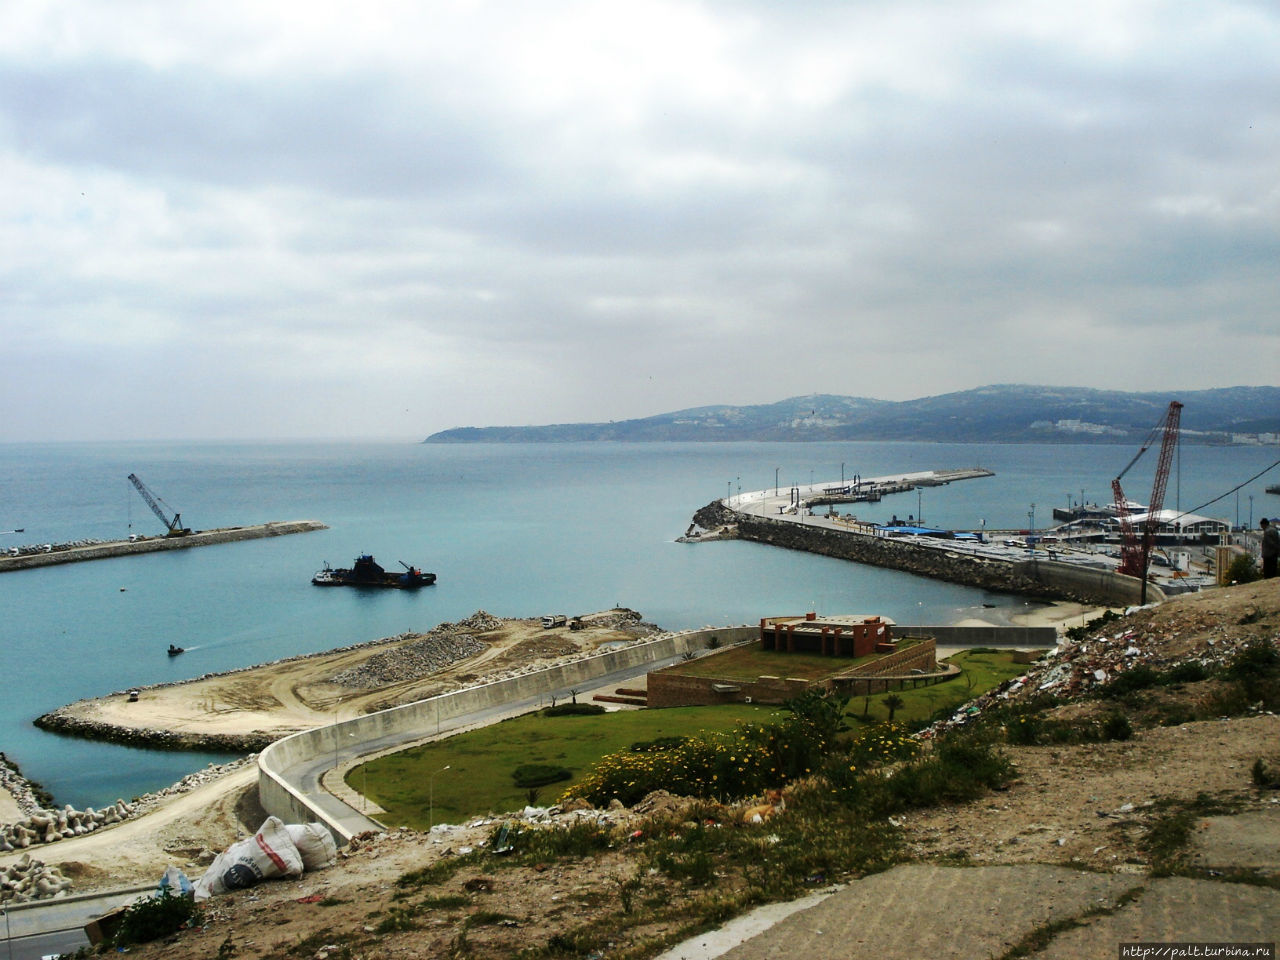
(481, 761)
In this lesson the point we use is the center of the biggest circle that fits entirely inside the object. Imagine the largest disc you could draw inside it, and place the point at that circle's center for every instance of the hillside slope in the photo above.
(998, 413)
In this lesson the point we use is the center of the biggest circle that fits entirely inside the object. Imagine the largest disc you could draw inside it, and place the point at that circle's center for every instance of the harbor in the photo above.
(1066, 564)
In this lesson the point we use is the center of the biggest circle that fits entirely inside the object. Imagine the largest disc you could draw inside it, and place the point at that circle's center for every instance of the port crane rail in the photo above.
(174, 525)
(1135, 554)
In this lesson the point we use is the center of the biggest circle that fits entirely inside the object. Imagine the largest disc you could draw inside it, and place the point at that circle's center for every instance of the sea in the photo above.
(517, 530)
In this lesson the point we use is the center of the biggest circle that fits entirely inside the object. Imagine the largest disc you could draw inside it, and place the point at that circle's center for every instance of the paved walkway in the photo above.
(971, 913)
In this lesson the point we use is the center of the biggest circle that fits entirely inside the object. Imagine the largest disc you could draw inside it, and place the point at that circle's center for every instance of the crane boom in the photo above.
(175, 527)
(1135, 554)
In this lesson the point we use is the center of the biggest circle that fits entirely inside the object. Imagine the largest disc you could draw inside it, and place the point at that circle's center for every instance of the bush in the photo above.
(1140, 677)
(1243, 569)
(154, 917)
(572, 709)
(539, 775)
(658, 745)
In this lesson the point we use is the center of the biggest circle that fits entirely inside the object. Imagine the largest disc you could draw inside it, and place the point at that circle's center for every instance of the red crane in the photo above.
(1135, 554)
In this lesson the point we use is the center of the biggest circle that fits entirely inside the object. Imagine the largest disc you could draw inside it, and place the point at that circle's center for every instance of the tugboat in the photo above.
(365, 572)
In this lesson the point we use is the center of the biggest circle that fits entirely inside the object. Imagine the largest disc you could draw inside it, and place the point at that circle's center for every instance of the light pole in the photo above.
(775, 480)
(1251, 511)
(728, 493)
(431, 796)
(842, 474)
(8, 936)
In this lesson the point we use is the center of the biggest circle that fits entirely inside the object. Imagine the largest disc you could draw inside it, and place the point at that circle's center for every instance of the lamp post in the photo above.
(775, 480)
(8, 936)
(842, 474)
(728, 493)
(431, 796)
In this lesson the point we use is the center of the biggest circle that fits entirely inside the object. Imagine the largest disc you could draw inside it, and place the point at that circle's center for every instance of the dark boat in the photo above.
(366, 572)
(174, 651)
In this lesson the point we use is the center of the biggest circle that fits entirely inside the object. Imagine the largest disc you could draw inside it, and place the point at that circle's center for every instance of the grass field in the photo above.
(415, 789)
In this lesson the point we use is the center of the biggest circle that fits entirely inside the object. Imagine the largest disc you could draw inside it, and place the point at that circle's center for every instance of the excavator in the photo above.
(174, 523)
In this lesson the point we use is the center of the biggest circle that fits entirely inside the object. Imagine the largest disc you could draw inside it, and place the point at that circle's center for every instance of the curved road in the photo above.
(307, 777)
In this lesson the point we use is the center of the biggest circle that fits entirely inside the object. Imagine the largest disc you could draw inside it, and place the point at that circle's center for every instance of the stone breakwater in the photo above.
(986, 574)
(154, 739)
(29, 879)
(72, 553)
(443, 646)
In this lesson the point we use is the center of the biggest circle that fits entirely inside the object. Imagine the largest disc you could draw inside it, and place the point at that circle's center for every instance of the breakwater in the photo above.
(1041, 579)
(154, 738)
(76, 553)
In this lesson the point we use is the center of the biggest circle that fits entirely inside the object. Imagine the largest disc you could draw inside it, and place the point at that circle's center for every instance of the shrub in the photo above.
(572, 709)
(1190, 671)
(1136, 678)
(154, 917)
(539, 775)
(1242, 569)
(1117, 727)
(658, 745)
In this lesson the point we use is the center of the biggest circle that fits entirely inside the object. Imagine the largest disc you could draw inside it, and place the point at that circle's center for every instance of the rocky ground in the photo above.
(1084, 810)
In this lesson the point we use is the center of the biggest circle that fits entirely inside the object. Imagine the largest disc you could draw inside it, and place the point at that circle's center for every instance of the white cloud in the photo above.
(485, 212)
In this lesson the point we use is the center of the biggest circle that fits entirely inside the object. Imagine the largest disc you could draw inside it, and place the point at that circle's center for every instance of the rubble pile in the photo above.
(49, 826)
(1155, 637)
(28, 879)
(412, 660)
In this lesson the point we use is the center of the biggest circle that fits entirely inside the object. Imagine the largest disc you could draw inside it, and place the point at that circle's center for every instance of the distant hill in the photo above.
(1007, 413)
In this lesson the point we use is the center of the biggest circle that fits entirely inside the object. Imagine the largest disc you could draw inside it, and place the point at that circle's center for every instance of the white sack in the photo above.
(315, 844)
(268, 853)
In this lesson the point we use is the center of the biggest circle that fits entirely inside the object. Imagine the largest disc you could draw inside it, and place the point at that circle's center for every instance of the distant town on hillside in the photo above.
(1003, 413)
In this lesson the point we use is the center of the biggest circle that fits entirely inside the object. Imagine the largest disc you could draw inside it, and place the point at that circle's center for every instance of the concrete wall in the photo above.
(984, 636)
(418, 720)
(1105, 585)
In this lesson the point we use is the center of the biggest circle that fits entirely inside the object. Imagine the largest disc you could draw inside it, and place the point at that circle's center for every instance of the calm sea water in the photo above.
(518, 530)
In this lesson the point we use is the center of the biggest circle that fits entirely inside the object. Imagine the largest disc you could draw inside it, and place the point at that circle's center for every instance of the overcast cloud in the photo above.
(248, 219)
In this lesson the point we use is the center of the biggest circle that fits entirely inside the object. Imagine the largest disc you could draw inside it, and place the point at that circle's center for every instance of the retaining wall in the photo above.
(419, 720)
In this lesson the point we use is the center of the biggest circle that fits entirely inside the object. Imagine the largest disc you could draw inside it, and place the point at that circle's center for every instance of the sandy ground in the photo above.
(282, 698)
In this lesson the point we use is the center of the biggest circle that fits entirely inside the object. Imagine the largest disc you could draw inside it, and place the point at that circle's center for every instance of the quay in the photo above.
(69, 553)
(784, 517)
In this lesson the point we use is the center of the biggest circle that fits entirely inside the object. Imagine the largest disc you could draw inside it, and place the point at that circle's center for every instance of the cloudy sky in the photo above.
(309, 219)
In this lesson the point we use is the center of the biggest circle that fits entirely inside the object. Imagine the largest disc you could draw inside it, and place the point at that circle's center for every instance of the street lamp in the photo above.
(431, 796)
(775, 480)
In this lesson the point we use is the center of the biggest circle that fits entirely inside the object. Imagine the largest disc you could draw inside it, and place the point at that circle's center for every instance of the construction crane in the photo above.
(176, 529)
(1135, 554)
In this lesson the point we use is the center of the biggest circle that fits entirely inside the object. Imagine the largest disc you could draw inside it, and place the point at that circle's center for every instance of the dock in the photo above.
(80, 552)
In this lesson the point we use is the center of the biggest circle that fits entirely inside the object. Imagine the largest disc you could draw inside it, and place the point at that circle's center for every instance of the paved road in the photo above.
(34, 930)
(306, 776)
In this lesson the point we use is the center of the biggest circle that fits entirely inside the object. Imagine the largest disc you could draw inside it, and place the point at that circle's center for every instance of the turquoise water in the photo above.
(518, 530)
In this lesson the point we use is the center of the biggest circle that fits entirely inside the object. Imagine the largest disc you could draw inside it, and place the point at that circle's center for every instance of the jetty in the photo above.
(50, 554)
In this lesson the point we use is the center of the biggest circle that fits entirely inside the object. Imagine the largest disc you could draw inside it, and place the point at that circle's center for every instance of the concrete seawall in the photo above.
(124, 548)
(282, 797)
(1044, 579)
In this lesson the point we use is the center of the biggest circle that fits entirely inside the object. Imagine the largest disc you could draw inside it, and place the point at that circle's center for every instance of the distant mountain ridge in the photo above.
(1009, 413)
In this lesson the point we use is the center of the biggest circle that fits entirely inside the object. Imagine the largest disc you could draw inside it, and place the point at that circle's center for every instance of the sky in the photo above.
(249, 219)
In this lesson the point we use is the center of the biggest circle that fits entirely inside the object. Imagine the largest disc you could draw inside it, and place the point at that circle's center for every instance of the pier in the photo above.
(68, 553)
(784, 517)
